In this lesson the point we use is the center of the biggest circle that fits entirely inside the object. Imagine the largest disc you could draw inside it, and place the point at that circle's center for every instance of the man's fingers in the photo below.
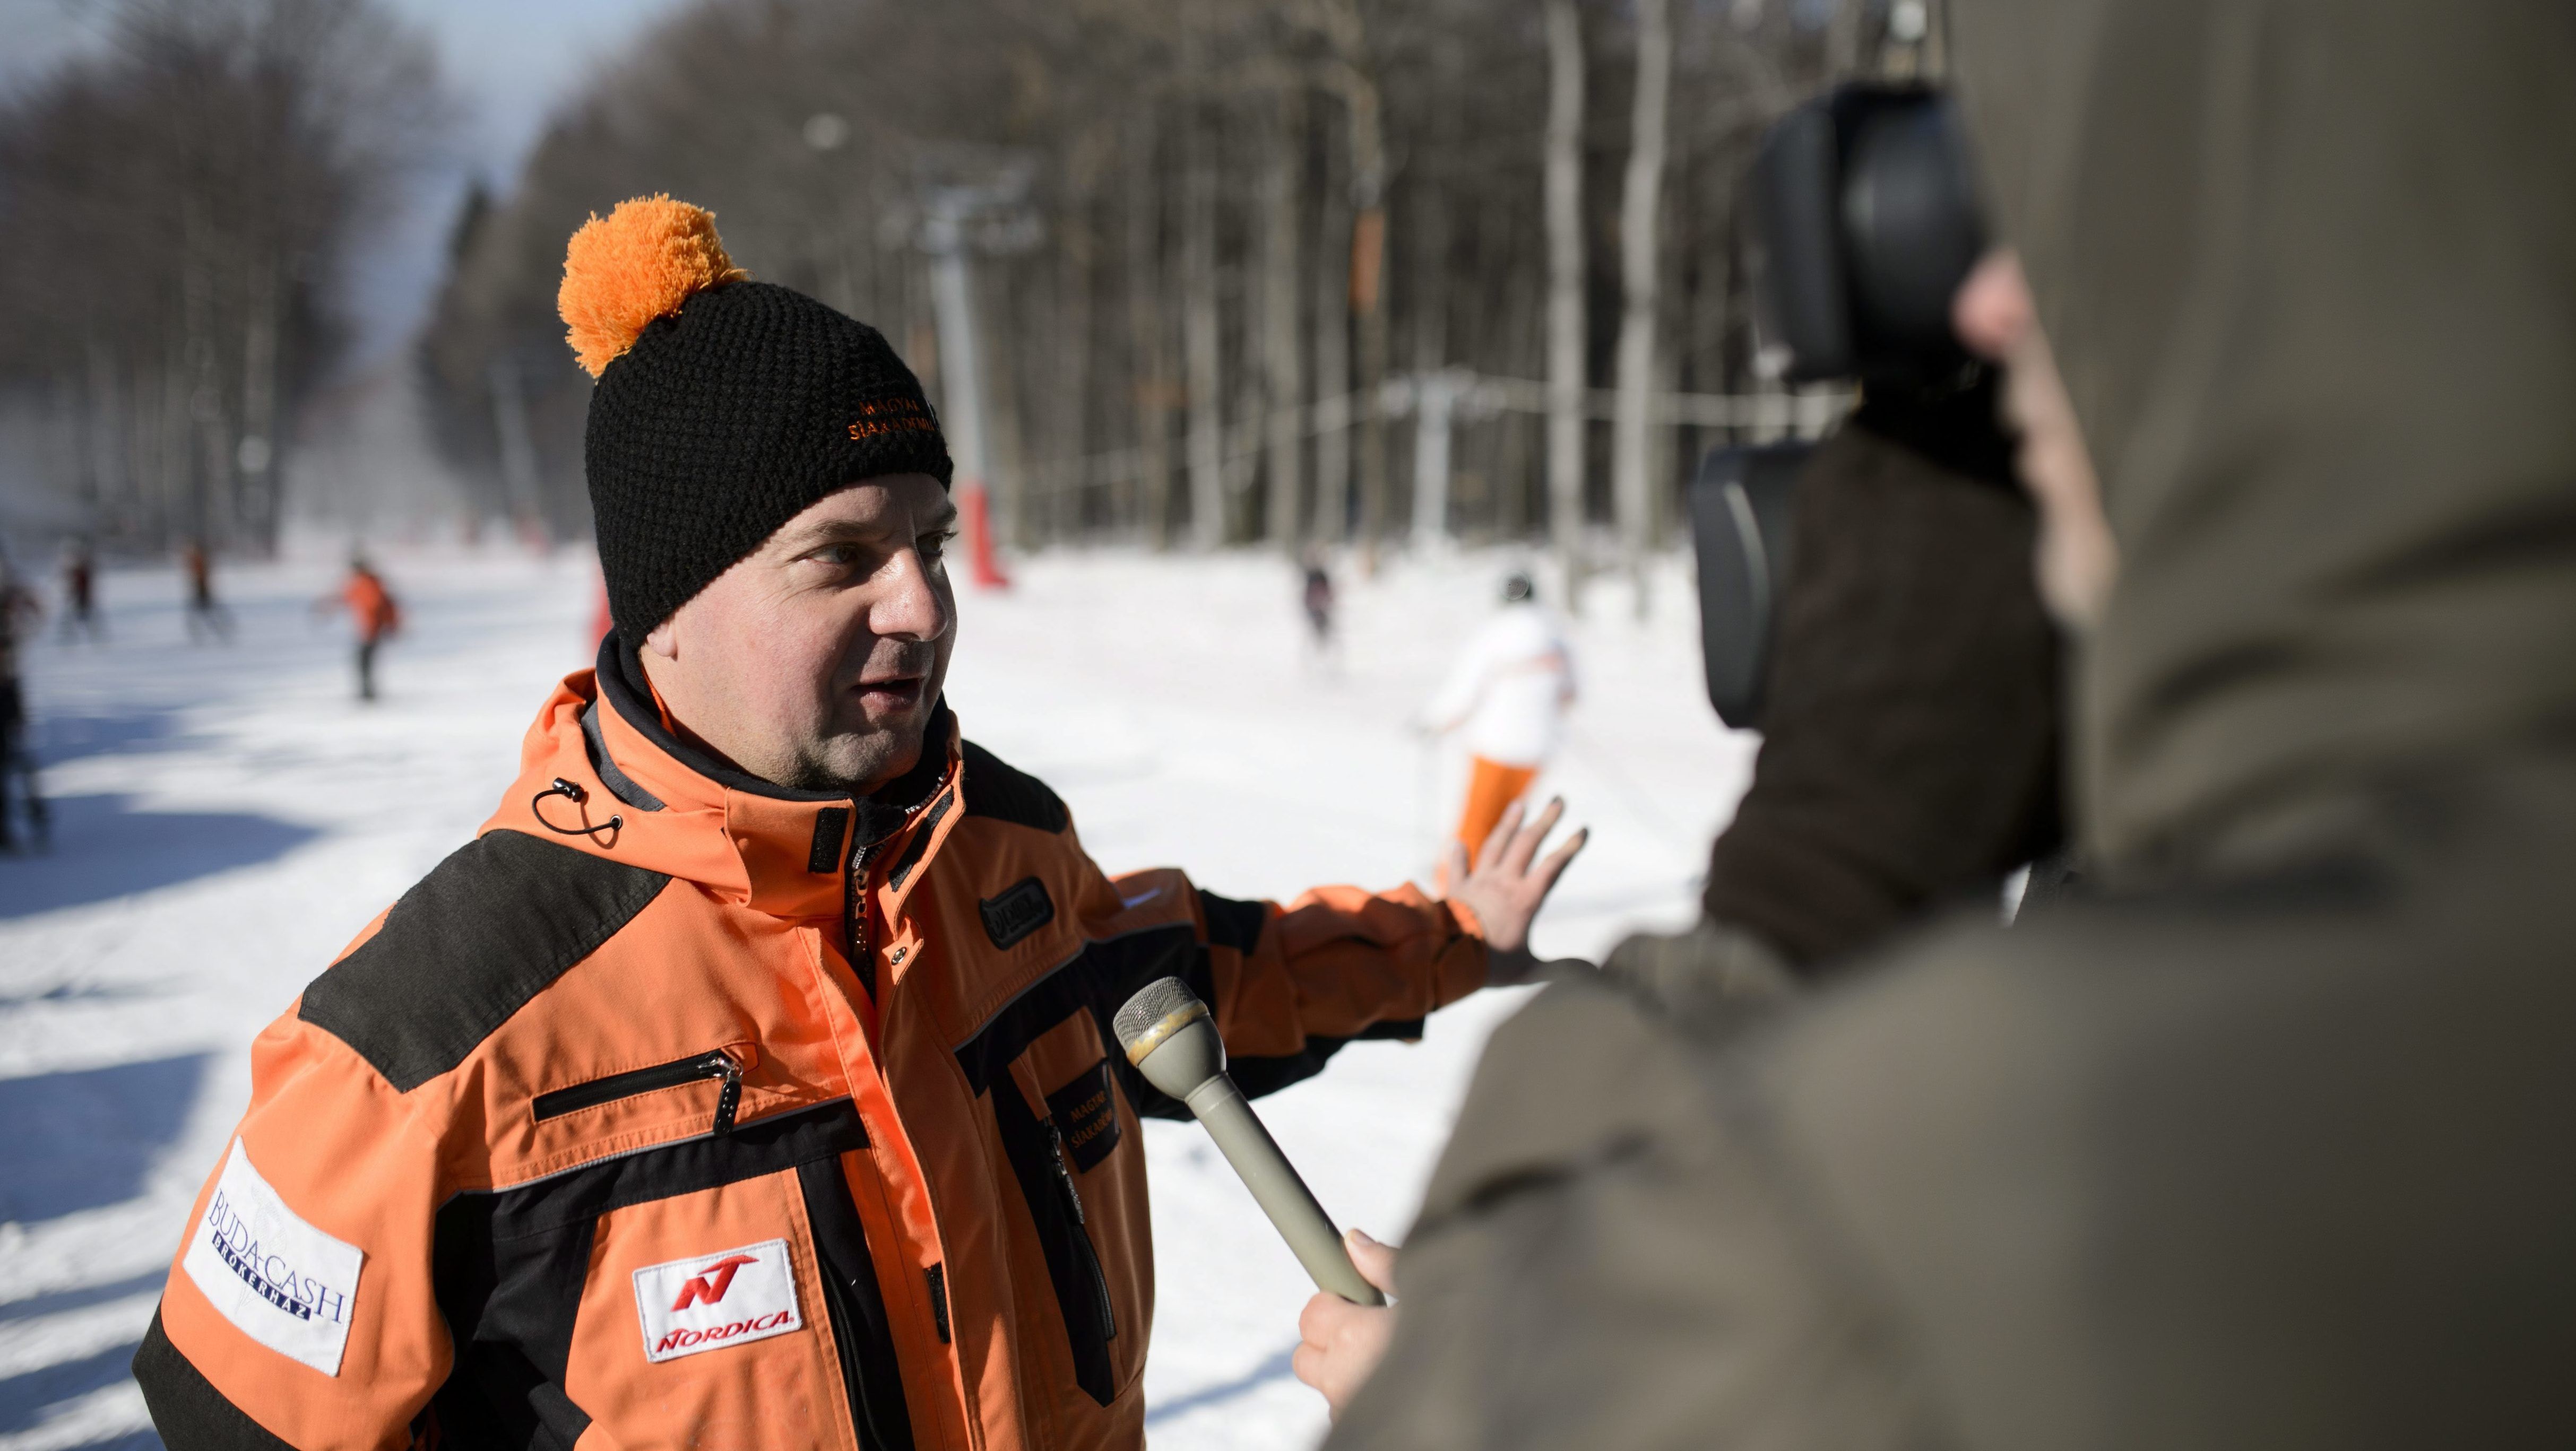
(1525, 845)
(1549, 870)
(1374, 1261)
(1309, 1364)
(1499, 840)
(1320, 1319)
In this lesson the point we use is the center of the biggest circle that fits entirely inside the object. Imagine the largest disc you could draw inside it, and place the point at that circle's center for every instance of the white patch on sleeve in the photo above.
(726, 1298)
(279, 1280)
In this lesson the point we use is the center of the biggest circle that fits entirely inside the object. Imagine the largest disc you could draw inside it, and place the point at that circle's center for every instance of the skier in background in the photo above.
(1317, 600)
(371, 607)
(206, 618)
(1509, 694)
(80, 592)
(19, 612)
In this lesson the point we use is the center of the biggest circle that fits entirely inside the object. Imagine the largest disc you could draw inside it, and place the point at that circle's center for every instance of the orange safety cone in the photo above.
(976, 513)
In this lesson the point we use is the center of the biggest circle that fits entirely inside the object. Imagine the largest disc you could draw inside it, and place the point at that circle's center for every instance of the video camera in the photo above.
(1863, 221)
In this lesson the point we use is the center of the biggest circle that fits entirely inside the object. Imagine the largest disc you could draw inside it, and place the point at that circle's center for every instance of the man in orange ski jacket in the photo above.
(747, 1082)
(372, 609)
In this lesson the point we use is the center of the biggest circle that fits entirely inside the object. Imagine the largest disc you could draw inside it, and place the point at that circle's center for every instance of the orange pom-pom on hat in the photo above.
(640, 262)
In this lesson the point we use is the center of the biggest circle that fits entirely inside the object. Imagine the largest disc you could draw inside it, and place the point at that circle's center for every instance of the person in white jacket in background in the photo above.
(1507, 696)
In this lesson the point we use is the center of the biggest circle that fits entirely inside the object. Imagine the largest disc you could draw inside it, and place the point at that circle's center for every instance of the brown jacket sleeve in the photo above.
(299, 1311)
(1604, 1262)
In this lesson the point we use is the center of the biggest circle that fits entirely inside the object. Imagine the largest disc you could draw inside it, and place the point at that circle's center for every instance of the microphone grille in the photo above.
(1152, 1003)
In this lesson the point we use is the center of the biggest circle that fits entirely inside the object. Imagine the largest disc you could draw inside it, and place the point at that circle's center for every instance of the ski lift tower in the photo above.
(973, 200)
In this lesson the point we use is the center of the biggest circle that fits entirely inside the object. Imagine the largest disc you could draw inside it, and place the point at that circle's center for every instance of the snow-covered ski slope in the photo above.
(227, 817)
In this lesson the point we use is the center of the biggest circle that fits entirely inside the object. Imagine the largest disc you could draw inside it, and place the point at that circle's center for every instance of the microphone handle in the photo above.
(1256, 1158)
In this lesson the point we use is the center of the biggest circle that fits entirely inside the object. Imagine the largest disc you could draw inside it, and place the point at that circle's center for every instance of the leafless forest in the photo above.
(1305, 271)
(178, 210)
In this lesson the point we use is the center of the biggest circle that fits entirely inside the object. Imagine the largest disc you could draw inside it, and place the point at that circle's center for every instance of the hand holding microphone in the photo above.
(1169, 1036)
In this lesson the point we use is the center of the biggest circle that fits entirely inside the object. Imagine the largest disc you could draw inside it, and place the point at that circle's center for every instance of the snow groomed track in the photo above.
(227, 817)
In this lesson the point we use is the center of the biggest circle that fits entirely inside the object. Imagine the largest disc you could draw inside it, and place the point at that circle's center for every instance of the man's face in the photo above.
(2077, 559)
(816, 660)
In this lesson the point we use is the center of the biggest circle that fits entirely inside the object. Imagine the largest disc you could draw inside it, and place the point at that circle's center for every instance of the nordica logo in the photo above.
(728, 1298)
(265, 1268)
(711, 1286)
(754, 1327)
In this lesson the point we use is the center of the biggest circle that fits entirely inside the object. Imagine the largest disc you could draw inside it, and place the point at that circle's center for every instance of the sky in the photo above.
(506, 65)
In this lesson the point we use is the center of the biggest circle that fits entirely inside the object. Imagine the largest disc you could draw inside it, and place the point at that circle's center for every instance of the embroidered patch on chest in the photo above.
(712, 1301)
(279, 1280)
(1086, 1114)
(1018, 911)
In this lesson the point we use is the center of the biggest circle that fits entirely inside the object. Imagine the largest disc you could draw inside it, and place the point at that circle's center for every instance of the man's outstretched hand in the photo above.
(1507, 883)
(1341, 1343)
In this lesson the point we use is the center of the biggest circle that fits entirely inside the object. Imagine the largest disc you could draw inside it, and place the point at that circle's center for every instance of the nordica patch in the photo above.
(279, 1280)
(712, 1301)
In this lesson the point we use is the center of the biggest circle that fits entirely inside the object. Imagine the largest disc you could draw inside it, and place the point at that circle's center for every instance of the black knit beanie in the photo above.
(725, 407)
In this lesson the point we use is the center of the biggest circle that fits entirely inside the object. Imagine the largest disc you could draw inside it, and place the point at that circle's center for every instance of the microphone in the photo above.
(1170, 1038)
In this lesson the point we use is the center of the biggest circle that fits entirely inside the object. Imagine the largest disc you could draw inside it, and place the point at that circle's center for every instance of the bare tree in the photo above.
(1352, 73)
(192, 192)
(1565, 324)
(1283, 358)
(1638, 245)
(1217, 181)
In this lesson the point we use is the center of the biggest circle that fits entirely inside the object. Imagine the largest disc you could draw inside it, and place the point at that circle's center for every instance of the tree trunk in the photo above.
(1631, 475)
(1565, 326)
(1153, 498)
(260, 447)
(1368, 302)
(1200, 335)
(1282, 359)
(1332, 291)
(1065, 483)
(1355, 75)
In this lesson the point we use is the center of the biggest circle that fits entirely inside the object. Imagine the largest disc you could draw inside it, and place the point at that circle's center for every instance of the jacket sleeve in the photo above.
(300, 1312)
(1290, 985)
(1613, 1254)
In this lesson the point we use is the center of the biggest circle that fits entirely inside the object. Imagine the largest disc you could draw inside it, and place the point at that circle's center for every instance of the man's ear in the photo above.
(663, 639)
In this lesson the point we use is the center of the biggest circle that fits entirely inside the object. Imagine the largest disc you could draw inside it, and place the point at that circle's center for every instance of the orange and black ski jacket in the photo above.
(372, 606)
(681, 1109)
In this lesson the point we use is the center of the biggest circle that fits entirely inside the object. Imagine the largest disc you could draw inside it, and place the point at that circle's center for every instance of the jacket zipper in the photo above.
(854, 920)
(696, 1068)
(1102, 1315)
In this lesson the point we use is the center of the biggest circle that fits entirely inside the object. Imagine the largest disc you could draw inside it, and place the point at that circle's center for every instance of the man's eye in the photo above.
(934, 545)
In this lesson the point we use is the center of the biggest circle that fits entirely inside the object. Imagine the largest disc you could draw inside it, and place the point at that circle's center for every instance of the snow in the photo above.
(227, 818)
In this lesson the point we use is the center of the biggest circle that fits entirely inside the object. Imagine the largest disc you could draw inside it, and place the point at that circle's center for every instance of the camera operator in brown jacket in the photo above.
(2263, 1140)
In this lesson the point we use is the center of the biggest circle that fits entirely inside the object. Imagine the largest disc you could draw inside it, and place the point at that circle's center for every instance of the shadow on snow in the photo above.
(103, 849)
(86, 1140)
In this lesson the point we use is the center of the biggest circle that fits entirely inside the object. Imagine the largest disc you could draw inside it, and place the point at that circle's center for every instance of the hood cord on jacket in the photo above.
(576, 795)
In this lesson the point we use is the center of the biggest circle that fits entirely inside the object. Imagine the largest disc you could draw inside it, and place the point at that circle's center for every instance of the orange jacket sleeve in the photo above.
(1290, 985)
(301, 1301)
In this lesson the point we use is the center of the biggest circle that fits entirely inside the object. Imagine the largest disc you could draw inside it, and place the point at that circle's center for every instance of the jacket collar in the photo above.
(681, 811)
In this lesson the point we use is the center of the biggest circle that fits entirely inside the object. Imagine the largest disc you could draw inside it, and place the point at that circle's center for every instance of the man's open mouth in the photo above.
(896, 691)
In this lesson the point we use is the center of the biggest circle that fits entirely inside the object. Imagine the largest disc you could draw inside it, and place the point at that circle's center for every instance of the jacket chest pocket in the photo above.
(689, 1294)
(1056, 1116)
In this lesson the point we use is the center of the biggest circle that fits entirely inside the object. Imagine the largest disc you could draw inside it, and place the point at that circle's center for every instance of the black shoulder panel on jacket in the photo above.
(187, 1410)
(1009, 794)
(491, 927)
(1231, 923)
